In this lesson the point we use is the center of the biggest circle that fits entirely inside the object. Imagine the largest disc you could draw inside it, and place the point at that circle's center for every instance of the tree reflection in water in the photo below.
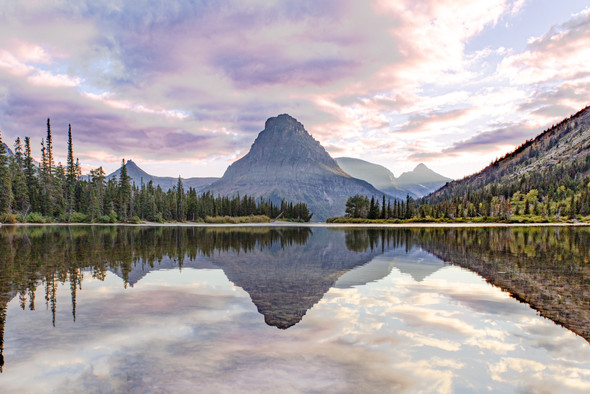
(288, 270)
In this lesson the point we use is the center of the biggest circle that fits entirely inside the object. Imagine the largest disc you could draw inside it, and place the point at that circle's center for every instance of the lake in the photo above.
(294, 309)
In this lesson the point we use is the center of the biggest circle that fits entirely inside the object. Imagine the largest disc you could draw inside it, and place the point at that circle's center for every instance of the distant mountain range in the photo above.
(417, 183)
(286, 162)
(138, 176)
(558, 156)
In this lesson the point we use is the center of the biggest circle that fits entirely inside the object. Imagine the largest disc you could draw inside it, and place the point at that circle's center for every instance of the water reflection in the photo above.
(289, 273)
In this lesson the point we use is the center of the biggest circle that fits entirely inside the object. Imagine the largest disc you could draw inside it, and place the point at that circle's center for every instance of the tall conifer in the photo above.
(5, 186)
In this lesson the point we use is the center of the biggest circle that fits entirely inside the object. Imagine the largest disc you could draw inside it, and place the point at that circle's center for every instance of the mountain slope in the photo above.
(421, 180)
(285, 162)
(137, 175)
(376, 175)
(558, 156)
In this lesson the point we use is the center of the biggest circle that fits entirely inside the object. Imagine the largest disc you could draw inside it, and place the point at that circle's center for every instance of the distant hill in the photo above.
(286, 162)
(558, 156)
(417, 183)
(376, 175)
(421, 180)
(137, 175)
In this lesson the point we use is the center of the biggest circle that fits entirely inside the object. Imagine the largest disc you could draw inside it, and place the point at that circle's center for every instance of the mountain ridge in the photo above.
(138, 176)
(416, 183)
(562, 151)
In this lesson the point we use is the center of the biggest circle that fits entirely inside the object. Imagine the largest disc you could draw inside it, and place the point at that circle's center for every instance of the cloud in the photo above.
(490, 140)
(369, 79)
(421, 123)
(560, 54)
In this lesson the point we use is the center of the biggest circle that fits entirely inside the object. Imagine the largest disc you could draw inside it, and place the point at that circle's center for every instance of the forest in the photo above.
(46, 192)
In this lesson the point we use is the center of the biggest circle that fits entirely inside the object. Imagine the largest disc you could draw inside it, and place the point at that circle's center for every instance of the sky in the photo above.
(184, 87)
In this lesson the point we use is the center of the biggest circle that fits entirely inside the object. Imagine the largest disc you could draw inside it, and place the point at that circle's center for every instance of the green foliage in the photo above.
(78, 217)
(35, 217)
(9, 218)
(357, 207)
(237, 219)
(104, 219)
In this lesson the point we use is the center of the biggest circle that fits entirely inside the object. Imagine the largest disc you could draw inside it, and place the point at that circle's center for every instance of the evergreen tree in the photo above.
(5, 184)
(70, 176)
(124, 193)
(373, 209)
(71, 166)
(18, 180)
(180, 216)
(49, 150)
(31, 179)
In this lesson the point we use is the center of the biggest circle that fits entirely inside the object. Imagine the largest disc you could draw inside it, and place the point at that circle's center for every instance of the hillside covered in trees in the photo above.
(544, 179)
(47, 192)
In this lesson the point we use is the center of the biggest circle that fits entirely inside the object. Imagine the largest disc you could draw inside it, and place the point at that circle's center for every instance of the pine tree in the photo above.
(18, 180)
(373, 209)
(70, 181)
(180, 216)
(5, 184)
(71, 169)
(124, 192)
(31, 179)
(49, 150)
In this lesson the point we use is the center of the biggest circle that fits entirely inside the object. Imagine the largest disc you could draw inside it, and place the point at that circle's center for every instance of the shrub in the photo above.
(8, 218)
(135, 220)
(78, 217)
(35, 217)
(104, 219)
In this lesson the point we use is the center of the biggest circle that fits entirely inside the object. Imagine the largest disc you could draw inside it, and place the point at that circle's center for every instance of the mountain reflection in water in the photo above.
(286, 271)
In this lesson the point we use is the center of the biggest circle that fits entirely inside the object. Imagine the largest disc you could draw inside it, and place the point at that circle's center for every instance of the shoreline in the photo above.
(317, 225)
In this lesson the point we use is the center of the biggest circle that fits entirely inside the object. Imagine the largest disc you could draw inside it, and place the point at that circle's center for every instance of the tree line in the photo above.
(46, 191)
(560, 192)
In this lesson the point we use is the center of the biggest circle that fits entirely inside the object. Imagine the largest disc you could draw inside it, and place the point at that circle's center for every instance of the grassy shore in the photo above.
(520, 219)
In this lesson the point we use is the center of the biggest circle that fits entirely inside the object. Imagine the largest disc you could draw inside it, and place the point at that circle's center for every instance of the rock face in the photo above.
(285, 162)
(421, 181)
(138, 175)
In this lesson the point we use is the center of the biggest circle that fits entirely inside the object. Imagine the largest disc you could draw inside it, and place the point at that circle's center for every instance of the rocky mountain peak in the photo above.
(283, 123)
(286, 162)
(421, 168)
(284, 142)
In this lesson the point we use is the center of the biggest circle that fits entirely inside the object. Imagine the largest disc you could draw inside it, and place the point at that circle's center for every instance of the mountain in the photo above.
(376, 175)
(417, 183)
(558, 156)
(137, 175)
(421, 180)
(286, 162)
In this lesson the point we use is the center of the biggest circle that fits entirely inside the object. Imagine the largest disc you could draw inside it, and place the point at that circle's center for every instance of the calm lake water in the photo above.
(166, 309)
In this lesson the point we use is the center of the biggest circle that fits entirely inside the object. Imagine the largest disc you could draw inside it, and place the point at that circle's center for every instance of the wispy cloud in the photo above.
(367, 79)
